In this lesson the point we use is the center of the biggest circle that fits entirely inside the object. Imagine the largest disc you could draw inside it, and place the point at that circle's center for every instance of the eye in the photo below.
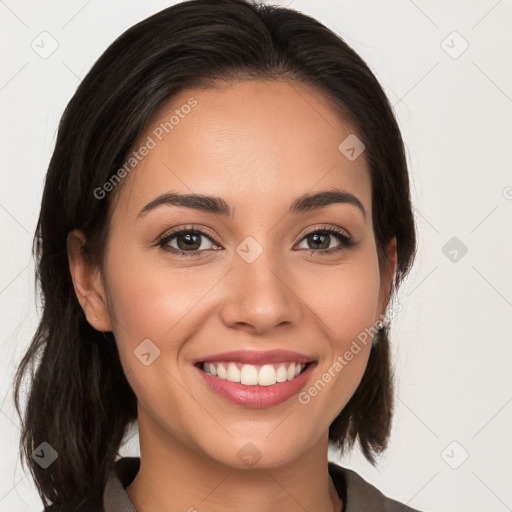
(186, 242)
(191, 241)
(322, 238)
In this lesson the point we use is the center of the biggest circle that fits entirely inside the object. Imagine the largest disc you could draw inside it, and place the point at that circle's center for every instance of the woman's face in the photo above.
(259, 279)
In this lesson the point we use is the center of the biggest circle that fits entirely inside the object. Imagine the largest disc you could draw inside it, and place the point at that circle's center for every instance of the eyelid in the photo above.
(186, 227)
(326, 227)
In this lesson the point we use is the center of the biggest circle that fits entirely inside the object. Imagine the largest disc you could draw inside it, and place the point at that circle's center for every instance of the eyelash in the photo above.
(346, 241)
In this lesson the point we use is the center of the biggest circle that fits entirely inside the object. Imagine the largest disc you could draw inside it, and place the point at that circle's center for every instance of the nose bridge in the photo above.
(258, 291)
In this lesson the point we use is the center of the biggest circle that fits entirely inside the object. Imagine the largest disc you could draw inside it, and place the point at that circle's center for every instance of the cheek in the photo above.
(156, 309)
(149, 318)
(149, 301)
(345, 299)
(346, 308)
(142, 306)
(353, 313)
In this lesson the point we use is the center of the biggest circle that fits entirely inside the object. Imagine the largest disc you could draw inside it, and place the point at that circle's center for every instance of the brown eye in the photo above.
(187, 242)
(319, 241)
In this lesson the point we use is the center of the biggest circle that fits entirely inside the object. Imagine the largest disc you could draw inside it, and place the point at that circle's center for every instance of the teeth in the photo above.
(248, 375)
(233, 373)
(267, 375)
(281, 374)
(221, 371)
(291, 371)
(251, 375)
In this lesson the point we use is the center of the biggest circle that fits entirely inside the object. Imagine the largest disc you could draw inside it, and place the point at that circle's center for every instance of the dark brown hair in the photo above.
(79, 400)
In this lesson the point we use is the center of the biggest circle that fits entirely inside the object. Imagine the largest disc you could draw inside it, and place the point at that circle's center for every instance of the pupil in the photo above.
(322, 238)
(193, 238)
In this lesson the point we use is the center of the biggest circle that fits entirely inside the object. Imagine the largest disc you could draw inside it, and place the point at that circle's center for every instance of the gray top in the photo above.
(357, 494)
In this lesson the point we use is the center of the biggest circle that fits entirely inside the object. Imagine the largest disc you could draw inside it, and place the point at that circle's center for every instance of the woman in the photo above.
(225, 220)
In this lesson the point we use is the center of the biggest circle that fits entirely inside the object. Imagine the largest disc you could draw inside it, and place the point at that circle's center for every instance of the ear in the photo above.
(87, 283)
(388, 276)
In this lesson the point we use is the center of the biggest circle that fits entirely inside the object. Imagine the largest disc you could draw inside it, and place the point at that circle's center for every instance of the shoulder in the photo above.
(72, 508)
(361, 495)
(115, 497)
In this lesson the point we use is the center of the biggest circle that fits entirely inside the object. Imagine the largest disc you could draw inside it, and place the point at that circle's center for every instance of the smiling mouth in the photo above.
(254, 374)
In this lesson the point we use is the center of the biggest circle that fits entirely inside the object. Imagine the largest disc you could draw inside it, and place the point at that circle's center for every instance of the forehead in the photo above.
(253, 143)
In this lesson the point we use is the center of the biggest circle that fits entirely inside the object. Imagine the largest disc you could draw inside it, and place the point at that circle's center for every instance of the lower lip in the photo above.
(257, 396)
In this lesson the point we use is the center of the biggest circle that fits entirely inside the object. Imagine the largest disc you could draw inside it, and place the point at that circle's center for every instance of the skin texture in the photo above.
(259, 146)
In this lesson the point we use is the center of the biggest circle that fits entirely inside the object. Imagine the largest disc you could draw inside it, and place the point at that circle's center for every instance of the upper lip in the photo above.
(257, 357)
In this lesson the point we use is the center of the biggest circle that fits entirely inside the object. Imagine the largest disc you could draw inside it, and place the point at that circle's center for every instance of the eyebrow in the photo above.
(217, 205)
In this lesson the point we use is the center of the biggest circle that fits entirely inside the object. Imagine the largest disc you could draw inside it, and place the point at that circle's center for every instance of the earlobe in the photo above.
(87, 282)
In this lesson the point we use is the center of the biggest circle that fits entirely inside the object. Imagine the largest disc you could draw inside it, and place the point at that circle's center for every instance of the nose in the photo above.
(259, 296)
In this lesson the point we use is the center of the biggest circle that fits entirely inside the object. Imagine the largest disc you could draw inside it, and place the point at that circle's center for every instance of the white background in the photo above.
(452, 339)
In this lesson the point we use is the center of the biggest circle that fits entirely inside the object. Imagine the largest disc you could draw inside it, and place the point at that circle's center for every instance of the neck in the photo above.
(173, 475)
